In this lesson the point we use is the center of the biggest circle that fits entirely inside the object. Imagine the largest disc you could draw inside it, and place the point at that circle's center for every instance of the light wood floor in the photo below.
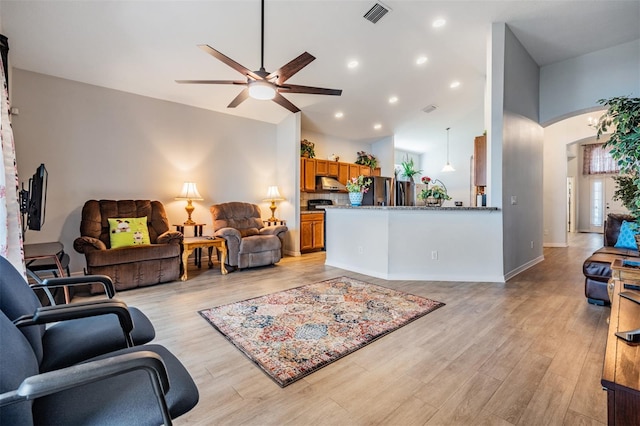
(528, 352)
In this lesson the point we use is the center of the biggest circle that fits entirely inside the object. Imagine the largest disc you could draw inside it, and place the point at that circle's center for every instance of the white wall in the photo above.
(568, 88)
(326, 145)
(101, 143)
(576, 84)
(288, 172)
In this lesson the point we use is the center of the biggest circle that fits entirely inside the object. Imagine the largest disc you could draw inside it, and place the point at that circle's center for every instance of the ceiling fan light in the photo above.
(262, 90)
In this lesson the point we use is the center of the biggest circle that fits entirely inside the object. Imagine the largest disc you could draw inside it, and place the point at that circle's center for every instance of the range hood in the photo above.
(329, 184)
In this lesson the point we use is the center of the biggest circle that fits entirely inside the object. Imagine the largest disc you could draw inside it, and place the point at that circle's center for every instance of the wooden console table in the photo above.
(192, 243)
(621, 372)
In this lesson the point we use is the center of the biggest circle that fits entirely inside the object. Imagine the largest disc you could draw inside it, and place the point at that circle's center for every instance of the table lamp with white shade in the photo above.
(273, 195)
(189, 192)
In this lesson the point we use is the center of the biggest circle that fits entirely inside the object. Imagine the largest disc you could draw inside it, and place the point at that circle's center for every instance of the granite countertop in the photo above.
(450, 208)
(305, 210)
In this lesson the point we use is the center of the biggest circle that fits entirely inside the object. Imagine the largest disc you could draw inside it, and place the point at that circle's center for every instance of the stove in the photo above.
(317, 204)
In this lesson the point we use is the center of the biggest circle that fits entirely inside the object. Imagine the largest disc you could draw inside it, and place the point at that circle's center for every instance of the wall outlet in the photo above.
(434, 255)
(531, 244)
(360, 250)
(514, 200)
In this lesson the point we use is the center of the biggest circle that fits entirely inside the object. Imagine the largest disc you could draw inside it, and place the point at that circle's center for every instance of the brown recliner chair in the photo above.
(249, 242)
(133, 266)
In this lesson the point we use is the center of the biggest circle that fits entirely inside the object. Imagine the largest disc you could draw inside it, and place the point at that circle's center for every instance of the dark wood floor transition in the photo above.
(528, 352)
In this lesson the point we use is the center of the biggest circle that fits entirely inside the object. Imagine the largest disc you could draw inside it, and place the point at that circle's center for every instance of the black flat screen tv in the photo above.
(33, 202)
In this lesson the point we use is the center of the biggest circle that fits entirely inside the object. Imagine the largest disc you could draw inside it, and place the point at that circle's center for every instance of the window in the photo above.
(597, 204)
(597, 161)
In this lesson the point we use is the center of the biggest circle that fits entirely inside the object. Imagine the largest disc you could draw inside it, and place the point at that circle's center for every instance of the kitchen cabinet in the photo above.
(480, 161)
(333, 169)
(343, 173)
(311, 231)
(354, 171)
(322, 168)
(309, 175)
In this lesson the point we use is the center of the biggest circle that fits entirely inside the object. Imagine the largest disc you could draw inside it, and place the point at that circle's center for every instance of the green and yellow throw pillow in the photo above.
(128, 231)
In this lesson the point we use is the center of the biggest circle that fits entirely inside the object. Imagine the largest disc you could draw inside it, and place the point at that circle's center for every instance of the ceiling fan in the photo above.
(262, 84)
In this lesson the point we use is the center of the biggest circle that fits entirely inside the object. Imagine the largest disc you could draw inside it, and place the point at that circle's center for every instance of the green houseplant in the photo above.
(408, 169)
(307, 149)
(366, 159)
(623, 117)
(435, 192)
(357, 186)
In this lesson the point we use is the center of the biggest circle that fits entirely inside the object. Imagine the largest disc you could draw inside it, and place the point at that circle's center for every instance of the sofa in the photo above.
(249, 242)
(153, 261)
(597, 267)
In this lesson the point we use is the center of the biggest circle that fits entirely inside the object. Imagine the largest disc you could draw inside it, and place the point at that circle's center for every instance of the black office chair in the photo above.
(143, 385)
(84, 330)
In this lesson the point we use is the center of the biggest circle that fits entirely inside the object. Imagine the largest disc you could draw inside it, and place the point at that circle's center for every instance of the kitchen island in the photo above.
(416, 242)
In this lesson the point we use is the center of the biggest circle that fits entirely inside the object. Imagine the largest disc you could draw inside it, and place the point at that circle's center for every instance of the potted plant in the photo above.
(435, 192)
(357, 186)
(367, 159)
(408, 169)
(623, 115)
(307, 149)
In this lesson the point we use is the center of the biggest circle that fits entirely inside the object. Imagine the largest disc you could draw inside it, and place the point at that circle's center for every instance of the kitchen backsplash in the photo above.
(338, 198)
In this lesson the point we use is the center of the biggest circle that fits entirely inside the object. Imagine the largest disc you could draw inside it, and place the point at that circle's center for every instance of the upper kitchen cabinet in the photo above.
(480, 161)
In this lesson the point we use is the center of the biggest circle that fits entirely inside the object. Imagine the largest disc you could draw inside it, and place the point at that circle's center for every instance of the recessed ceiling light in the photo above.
(454, 84)
(440, 22)
(352, 64)
(421, 60)
(339, 114)
(393, 99)
(377, 126)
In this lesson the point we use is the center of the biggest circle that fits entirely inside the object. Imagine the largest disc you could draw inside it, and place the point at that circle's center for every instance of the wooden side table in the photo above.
(274, 223)
(197, 232)
(622, 359)
(192, 243)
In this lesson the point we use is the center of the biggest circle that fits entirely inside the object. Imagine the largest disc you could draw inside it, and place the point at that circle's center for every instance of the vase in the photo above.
(355, 198)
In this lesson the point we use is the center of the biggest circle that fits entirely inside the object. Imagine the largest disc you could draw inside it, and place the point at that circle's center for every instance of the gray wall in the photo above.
(522, 149)
(576, 84)
(101, 143)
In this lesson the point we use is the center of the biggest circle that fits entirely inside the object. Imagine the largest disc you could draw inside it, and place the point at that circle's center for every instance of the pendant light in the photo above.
(448, 167)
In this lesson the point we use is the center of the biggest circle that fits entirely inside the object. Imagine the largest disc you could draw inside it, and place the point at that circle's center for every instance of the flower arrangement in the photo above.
(367, 159)
(435, 190)
(358, 184)
(307, 149)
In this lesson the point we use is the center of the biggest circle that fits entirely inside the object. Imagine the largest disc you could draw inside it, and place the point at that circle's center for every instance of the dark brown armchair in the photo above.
(132, 266)
(249, 242)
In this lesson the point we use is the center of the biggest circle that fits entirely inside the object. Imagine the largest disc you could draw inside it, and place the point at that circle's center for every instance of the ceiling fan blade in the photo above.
(282, 101)
(227, 60)
(293, 88)
(287, 71)
(242, 96)
(211, 82)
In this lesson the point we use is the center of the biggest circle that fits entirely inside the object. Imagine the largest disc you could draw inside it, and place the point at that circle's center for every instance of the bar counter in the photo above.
(416, 242)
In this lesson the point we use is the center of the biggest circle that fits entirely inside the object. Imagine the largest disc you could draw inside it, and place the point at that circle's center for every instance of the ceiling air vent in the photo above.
(376, 12)
(430, 108)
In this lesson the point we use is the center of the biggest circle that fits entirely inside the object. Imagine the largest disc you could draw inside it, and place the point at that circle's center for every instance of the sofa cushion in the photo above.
(128, 231)
(626, 237)
(133, 254)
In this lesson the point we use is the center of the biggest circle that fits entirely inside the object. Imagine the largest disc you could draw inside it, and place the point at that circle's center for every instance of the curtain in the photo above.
(10, 228)
(597, 161)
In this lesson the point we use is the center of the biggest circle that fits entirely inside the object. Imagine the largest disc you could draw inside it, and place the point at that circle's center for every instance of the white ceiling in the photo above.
(143, 46)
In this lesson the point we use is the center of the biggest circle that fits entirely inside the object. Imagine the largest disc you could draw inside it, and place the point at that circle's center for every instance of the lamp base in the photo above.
(273, 212)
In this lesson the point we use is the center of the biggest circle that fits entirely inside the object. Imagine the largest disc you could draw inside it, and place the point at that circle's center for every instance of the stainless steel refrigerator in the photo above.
(380, 192)
(405, 193)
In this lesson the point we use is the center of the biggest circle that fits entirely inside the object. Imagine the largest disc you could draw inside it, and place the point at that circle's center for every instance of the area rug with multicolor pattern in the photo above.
(292, 333)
